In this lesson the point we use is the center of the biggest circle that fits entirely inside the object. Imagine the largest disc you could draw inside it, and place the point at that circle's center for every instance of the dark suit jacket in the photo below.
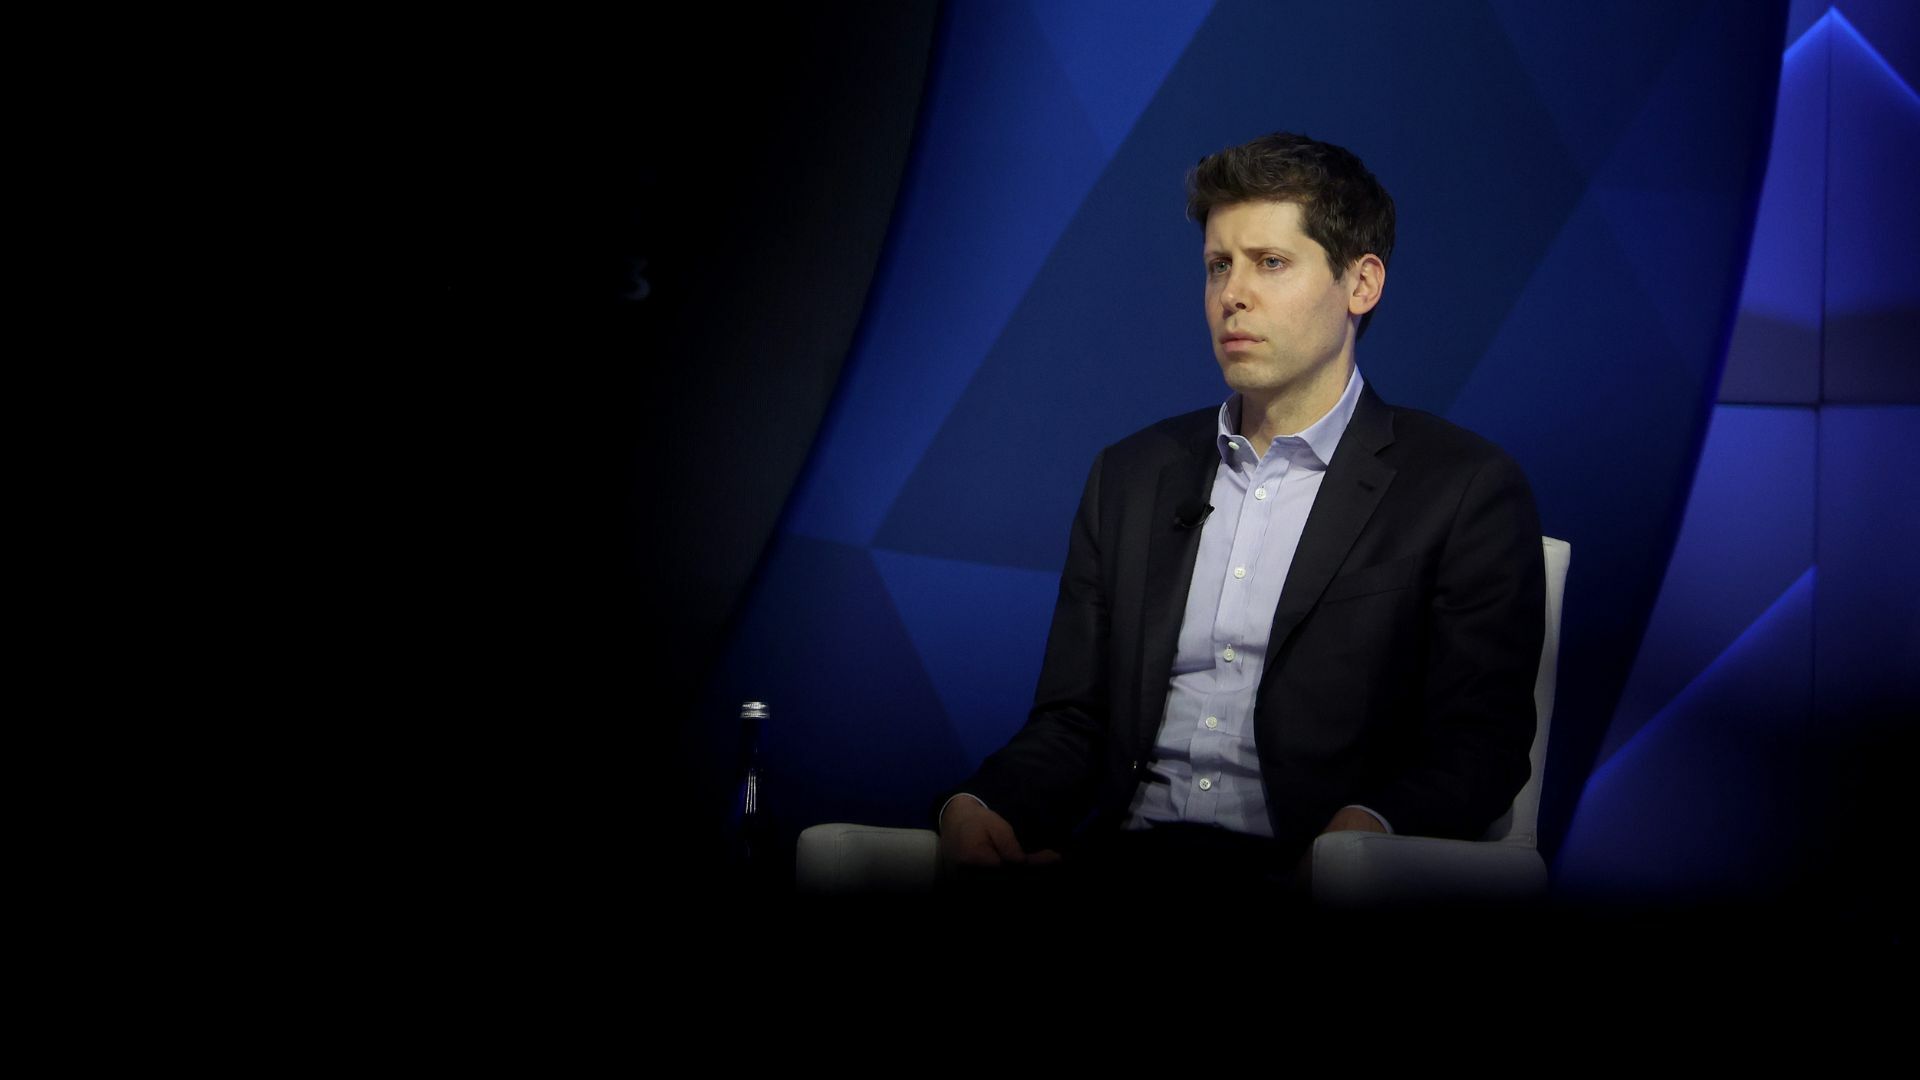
(1402, 657)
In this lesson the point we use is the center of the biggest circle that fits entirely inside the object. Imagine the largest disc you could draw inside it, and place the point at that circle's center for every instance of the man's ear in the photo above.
(1367, 280)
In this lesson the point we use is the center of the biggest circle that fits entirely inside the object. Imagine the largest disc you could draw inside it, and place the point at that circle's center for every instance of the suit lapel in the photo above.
(1171, 551)
(1353, 487)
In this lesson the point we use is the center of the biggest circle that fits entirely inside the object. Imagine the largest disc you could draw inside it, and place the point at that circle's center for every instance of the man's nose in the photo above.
(1232, 297)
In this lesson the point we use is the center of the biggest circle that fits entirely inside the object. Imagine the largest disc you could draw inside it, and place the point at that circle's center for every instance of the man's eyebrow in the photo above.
(1277, 249)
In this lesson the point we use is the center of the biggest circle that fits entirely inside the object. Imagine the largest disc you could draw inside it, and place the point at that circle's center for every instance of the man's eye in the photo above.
(1217, 266)
(1273, 262)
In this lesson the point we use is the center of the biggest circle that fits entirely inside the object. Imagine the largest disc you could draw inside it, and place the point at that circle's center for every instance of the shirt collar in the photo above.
(1322, 436)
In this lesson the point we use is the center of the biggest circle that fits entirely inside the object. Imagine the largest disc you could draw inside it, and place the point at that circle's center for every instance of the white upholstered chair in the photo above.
(1350, 869)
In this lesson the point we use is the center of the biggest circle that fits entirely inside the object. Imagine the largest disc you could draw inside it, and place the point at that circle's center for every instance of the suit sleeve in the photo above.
(1468, 756)
(1044, 781)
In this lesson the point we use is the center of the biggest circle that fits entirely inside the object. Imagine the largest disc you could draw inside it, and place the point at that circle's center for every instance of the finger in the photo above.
(1000, 835)
(1042, 857)
(980, 855)
(970, 849)
(976, 845)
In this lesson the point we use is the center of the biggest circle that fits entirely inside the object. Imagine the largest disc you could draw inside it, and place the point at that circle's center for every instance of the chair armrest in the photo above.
(1355, 869)
(1350, 869)
(840, 858)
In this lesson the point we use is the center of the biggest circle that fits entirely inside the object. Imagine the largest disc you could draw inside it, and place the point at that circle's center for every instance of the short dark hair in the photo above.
(1342, 207)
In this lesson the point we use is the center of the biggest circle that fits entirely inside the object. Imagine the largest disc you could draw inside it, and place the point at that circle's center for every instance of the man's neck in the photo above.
(1295, 409)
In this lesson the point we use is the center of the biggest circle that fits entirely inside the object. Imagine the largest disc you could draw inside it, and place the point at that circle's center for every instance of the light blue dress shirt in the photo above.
(1205, 768)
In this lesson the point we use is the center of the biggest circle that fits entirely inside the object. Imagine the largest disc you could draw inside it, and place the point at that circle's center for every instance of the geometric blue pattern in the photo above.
(973, 626)
(1869, 607)
(1116, 53)
(1748, 533)
(1872, 290)
(1000, 166)
(1775, 354)
(1750, 705)
(1703, 803)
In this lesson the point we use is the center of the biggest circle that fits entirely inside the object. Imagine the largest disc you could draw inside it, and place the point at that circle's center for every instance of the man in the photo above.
(1300, 612)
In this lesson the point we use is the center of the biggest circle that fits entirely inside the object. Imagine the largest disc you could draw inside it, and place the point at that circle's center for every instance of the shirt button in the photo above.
(1206, 785)
(1212, 722)
(1233, 446)
(1260, 493)
(1239, 571)
(1228, 655)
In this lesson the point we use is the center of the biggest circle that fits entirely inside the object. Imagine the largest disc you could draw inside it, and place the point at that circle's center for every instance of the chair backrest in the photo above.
(1521, 823)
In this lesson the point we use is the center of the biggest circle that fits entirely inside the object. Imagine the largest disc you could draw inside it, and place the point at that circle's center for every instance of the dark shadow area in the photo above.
(632, 265)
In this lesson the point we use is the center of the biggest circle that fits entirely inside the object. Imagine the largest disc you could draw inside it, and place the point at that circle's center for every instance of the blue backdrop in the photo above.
(1577, 191)
(1757, 738)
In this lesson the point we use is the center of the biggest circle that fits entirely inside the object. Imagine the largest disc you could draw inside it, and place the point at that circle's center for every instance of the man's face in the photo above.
(1278, 315)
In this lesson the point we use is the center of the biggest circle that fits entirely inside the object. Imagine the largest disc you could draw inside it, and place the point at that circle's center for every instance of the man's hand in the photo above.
(1352, 817)
(1349, 818)
(973, 836)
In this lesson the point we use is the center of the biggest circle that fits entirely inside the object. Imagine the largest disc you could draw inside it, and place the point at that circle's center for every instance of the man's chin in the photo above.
(1250, 383)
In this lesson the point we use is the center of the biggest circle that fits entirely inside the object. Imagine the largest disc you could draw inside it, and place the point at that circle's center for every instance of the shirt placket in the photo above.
(1221, 721)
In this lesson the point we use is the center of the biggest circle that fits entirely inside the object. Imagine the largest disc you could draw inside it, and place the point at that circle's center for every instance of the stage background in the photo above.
(857, 347)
